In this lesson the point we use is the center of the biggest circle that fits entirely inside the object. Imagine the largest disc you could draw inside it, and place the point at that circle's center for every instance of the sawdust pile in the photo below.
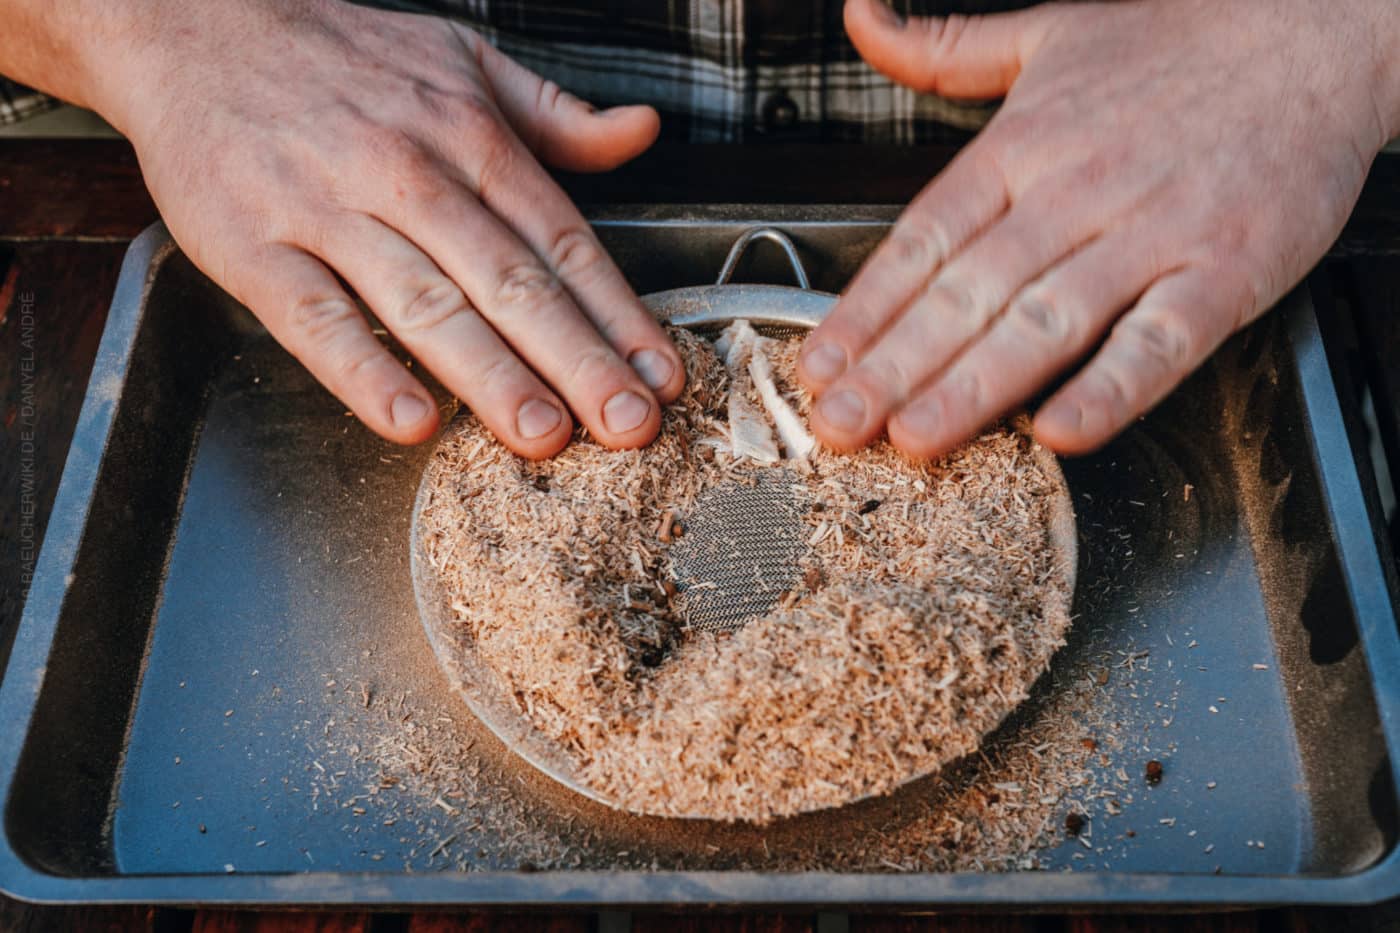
(928, 599)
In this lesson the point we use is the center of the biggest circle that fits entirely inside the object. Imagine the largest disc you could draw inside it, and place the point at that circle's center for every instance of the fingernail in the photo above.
(653, 366)
(536, 419)
(921, 418)
(407, 410)
(825, 361)
(843, 410)
(624, 412)
(888, 15)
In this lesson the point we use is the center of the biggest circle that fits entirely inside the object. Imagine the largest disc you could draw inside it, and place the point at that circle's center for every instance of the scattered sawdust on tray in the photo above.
(455, 799)
(932, 598)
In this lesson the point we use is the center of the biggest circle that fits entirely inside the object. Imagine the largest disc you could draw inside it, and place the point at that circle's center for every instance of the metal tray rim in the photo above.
(1365, 581)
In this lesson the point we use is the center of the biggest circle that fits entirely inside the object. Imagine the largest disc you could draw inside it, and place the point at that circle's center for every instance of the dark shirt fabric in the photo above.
(723, 70)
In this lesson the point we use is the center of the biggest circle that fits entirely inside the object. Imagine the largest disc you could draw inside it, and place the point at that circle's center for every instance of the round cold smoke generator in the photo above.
(733, 623)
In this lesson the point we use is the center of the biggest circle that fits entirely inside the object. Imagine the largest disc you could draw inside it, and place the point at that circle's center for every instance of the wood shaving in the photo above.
(921, 623)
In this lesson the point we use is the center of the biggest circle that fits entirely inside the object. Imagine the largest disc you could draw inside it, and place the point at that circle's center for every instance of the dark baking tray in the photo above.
(222, 621)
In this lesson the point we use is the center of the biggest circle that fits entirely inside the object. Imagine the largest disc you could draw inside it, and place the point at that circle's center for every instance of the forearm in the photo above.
(59, 46)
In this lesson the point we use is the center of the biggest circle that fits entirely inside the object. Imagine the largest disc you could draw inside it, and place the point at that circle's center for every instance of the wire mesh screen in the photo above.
(740, 551)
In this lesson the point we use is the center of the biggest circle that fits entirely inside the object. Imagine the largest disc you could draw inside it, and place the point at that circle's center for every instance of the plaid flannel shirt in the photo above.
(18, 102)
(717, 70)
(723, 70)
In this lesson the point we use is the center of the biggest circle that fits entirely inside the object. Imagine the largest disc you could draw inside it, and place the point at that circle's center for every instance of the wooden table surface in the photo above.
(67, 211)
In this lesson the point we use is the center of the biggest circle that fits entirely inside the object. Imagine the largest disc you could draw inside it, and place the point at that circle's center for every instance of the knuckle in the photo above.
(527, 288)
(1041, 317)
(549, 97)
(465, 110)
(389, 145)
(1161, 341)
(419, 166)
(1105, 401)
(495, 158)
(412, 169)
(942, 38)
(1115, 390)
(499, 372)
(575, 253)
(351, 365)
(430, 304)
(966, 392)
(917, 247)
(590, 366)
(317, 320)
(949, 32)
(474, 115)
(431, 99)
(956, 302)
(419, 178)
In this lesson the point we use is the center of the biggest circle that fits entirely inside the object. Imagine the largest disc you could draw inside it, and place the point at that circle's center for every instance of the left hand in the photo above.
(1162, 171)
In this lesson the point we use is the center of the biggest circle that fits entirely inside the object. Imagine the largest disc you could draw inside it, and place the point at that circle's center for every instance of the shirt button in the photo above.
(780, 112)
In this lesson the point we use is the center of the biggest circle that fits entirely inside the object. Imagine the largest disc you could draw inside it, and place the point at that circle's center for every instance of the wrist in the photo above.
(117, 53)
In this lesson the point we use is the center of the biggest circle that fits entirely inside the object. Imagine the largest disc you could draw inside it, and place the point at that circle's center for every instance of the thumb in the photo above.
(952, 56)
(560, 129)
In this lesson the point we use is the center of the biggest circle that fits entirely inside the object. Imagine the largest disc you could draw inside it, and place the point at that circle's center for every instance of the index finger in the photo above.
(506, 177)
(526, 304)
(969, 194)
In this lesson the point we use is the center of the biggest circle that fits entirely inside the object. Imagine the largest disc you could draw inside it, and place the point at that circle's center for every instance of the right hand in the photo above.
(283, 141)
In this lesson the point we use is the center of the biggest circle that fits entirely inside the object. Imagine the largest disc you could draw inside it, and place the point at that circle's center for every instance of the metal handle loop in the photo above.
(774, 235)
